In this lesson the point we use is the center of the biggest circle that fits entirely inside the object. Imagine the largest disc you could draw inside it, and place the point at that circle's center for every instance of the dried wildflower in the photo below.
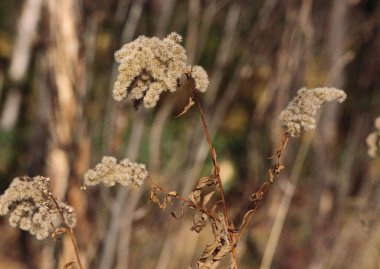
(150, 66)
(301, 111)
(109, 172)
(373, 140)
(31, 206)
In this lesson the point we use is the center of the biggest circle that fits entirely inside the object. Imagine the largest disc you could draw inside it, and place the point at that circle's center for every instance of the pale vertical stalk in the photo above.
(158, 125)
(26, 34)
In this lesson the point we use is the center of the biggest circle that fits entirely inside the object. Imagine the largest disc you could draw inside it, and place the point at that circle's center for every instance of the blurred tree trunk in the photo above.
(66, 72)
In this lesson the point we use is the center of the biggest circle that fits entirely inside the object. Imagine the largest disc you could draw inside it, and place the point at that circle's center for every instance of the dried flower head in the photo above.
(301, 111)
(109, 172)
(373, 140)
(150, 66)
(31, 206)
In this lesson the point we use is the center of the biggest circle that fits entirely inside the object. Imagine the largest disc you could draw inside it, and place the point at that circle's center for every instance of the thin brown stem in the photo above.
(213, 156)
(216, 166)
(69, 231)
(259, 195)
(75, 246)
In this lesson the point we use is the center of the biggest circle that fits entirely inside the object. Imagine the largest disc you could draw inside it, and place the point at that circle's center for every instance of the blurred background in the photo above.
(58, 118)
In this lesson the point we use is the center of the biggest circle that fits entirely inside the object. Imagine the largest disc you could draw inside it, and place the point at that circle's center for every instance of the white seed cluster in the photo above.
(301, 111)
(373, 140)
(109, 172)
(150, 66)
(30, 205)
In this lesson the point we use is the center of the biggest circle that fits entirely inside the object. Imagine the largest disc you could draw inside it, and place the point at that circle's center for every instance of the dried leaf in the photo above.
(155, 199)
(174, 215)
(67, 265)
(194, 197)
(187, 107)
(207, 198)
(215, 252)
(199, 222)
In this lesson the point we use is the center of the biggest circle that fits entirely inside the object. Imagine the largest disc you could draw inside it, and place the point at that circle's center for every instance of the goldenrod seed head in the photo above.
(30, 206)
(301, 111)
(109, 172)
(150, 66)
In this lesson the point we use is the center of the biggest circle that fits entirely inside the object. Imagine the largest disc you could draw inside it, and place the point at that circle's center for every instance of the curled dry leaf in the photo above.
(195, 196)
(215, 252)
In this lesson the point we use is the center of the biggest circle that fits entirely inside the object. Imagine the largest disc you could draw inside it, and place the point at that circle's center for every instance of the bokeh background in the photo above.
(57, 118)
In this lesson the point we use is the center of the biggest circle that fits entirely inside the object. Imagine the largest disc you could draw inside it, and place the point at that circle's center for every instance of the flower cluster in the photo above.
(301, 111)
(150, 66)
(373, 140)
(31, 206)
(109, 172)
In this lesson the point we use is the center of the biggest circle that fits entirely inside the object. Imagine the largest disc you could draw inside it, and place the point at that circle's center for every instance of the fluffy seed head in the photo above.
(109, 172)
(150, 66)
(301, 111)
(30, 206)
